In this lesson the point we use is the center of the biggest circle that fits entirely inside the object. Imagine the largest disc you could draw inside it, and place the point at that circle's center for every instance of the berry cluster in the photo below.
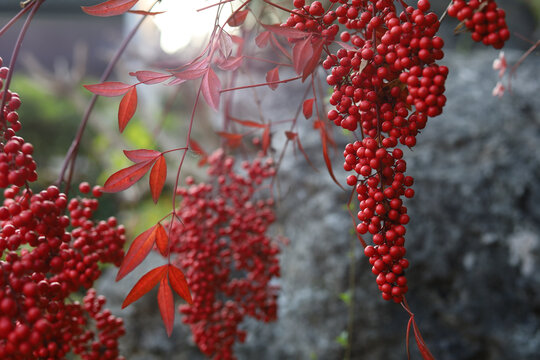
(386, 84)
(483, 19)
(16, 163)
(43, 265)
(314, 19)
(229, 259)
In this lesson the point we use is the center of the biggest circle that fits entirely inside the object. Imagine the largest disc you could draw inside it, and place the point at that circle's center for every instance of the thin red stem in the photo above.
(258, 85)
(71, 155)
(518, 63)
(14, 19)
(216, 4)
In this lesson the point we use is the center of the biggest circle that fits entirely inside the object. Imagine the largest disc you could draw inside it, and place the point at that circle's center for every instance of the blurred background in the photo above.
(474, 237)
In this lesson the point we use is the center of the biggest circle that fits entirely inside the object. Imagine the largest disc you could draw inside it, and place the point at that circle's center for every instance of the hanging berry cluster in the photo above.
(229, 259)
(483, 19)
(43, 264)
(16, 164)
(386, 83)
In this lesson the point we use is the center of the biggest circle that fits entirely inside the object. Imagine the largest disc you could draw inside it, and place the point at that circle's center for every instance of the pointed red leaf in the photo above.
(166, 305)
(123, 179)
(302, 53)
(109, 8)
(149, 13)
(198, 149)
(307, 108)
(301, 148)
(232, 63)
(266, 139)
(139, 249)
(224, 44)
(158, 175)
(162, 240)
(273, 76)
(109, 88)
(179, 283)
(262, 39)
(239, 41)
(286, 31)
(238, 18)
(191, 74)
(324, 140)
(424, 351)
(291, 135)
(248, 123)
(145, 284)
(315, 59)
(211, 87)
(233, 140)
(141, 155)
(150, 77)
(127, 108)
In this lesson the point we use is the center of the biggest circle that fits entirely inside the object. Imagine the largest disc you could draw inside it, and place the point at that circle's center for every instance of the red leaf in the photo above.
(233, 140)
(109, 88)
(142, 12)
(198, 149)
(286, 31)
(307, 108)
(301, 148)
(150, 77)
(211, 87)
(190, 74)
(239, 41)
(145, 284)
(248, 123)
(162, 240)
(166, 304)
(224, 44)
(262, 39)
(273, 76)
(179, 284)
(324, 140)
(157, 177)
(238, 18)
(302, 53)
(123, 179)
(127, 108)
(424, 351)
(266, 139)
(232, 63)
(315, 59)
(291, 135)
(141, 155)
(110, 8)
(138, 250)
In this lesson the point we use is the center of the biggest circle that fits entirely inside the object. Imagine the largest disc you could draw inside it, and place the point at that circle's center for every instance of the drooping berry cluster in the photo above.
(483, 19)
(229, 259)
(16, 163)
(386, 84)
(43, 265)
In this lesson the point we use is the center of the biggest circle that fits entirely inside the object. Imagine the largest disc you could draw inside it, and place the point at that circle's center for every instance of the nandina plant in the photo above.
(379, 60)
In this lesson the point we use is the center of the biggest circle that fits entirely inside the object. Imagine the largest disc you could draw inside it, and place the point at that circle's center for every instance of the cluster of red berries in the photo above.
(386, 83)
(43, 265)
(314, 19)
(483, 19)
(228, 257)
(16, 163)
